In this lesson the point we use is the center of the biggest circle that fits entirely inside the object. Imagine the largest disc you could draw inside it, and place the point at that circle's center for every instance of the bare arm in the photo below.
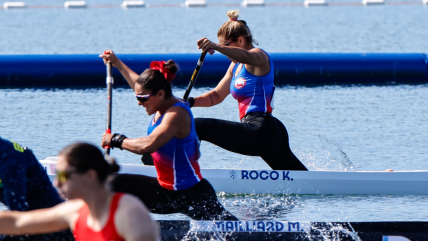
(130, 76)
(40, 221)
(254, 57)
(133, 221)
(217, 95)
(176, 122)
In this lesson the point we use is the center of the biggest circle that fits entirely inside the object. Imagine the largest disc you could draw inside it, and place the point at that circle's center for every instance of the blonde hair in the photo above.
(234, 28)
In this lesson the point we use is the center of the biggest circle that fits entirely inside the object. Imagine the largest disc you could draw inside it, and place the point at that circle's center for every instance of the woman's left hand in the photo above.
(205, 44)
(106, 140)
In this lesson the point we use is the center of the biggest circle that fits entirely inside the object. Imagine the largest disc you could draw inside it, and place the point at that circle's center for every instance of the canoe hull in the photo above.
(298, 182)
(297, 231)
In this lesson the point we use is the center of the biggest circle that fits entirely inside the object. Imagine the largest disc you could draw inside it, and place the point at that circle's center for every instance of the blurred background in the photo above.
(397, 26)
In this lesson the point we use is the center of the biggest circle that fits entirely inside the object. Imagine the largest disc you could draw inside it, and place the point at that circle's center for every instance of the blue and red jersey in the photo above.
(254, 93)
(177, 161)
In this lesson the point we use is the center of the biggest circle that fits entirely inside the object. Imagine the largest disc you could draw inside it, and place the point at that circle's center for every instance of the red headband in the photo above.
(160, 65)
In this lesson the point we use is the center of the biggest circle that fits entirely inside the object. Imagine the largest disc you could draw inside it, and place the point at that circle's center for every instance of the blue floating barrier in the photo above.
(290, 69)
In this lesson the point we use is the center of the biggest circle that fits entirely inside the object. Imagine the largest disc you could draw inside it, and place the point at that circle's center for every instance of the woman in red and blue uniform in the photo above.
(250, 80)
(174, 145)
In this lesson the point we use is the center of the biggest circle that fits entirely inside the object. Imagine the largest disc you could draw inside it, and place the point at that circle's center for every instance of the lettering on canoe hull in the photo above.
(265, 175)
(248, 226)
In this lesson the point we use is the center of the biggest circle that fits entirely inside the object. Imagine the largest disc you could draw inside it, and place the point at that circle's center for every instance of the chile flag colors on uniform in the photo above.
(177, 161)
(254, 93)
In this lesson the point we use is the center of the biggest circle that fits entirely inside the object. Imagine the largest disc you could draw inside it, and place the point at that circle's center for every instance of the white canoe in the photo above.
(297, 182)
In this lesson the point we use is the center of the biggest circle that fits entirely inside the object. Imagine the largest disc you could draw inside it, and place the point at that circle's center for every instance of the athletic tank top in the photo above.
(177, 161)
(254, 93)
(109, 233)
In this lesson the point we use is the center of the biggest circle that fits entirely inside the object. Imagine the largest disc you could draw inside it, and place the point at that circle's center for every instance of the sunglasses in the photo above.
(229, 43)
(63, 176)
(143, 98)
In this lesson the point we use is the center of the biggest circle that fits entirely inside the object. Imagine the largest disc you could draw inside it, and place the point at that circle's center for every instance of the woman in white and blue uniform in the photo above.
(250, 81)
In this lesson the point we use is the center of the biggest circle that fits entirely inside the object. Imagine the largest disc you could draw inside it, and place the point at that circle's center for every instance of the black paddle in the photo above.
(109, 101)
(195, 73)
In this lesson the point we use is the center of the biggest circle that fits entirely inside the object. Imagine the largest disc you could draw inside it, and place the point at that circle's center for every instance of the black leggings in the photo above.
(258, 136)
(199, 201)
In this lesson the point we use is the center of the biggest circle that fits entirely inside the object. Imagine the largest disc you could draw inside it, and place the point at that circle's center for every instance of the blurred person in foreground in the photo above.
(92, 212)
(25, 186)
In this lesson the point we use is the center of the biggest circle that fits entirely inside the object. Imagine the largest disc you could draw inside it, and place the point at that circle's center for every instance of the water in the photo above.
(369, 127)
(330, 127)
(386, 28)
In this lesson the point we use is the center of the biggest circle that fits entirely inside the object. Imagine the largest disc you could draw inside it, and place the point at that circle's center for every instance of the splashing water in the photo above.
(337, 159)
(332, 231)
(336, 154)
(254, 207)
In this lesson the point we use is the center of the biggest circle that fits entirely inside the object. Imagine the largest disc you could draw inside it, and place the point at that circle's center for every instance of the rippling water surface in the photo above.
(386, 28)
(374, 127)
(330, 127)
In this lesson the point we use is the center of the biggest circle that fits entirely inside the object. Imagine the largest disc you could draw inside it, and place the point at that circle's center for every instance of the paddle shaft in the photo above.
(109, 103)
(195, 75)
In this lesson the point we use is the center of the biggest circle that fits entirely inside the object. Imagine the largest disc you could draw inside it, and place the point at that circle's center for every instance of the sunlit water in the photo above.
(385, 28)
(331, 128)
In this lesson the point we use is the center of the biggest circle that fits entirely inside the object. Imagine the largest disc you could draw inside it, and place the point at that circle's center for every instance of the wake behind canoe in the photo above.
(297, 182)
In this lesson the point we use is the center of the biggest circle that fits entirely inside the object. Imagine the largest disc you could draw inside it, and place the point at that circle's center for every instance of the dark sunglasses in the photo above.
(63, 176)
(230, 42)
(143, 98)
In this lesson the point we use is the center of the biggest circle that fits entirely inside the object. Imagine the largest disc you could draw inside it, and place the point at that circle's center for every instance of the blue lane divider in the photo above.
(290, 69)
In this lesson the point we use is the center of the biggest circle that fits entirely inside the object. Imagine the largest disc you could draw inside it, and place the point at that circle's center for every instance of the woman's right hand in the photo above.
(109, 56)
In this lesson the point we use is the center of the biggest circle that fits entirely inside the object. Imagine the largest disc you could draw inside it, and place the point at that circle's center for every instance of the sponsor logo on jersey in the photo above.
(17, 147)
(240, 83)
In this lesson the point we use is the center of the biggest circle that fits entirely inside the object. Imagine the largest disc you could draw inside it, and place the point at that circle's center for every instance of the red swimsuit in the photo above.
(109, 233)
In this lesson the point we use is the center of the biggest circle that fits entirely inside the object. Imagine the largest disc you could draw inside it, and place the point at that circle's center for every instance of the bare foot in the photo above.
(388, 170)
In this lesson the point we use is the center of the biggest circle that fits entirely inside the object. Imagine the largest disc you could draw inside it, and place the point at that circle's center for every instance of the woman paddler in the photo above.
(92, 212)
(174, 146)
(250, 81)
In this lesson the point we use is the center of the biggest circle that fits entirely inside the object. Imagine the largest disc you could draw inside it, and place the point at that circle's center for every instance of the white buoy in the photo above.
(132, 4)
(253, 3)
(75, 4)
(312, 3)
(9, 5)
(195, 3)
(425, 1)
(373, 2)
